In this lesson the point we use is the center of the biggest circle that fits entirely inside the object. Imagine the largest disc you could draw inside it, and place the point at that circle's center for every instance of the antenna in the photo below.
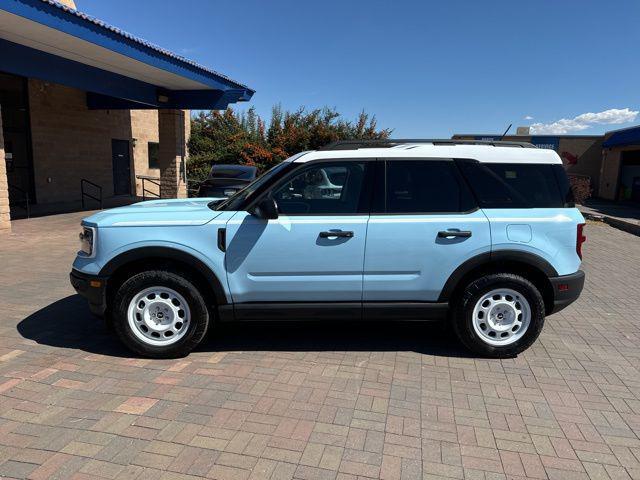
(505, 132)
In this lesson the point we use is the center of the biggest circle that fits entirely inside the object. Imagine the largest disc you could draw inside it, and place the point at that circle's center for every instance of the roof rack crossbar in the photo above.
(387, 143)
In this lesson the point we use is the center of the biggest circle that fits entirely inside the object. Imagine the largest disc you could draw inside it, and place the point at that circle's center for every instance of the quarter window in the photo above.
(513, 185)
(326, 188)
(431, 186)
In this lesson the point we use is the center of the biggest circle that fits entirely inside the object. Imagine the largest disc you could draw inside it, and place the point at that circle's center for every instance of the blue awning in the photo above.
(47, 40)
(621, 138)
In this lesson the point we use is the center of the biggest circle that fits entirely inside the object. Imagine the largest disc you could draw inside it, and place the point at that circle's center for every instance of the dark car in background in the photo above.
(225, 180)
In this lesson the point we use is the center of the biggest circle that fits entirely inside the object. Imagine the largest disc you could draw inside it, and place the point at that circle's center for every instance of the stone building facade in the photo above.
(68, 142)
(84, 103)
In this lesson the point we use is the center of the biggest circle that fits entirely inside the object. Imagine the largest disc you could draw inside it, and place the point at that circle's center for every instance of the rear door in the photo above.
(423, 225)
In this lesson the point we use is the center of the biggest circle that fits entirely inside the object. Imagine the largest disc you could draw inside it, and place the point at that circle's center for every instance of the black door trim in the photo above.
(293, 311)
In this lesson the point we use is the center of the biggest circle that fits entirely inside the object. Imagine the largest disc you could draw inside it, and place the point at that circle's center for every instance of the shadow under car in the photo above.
(67, 323)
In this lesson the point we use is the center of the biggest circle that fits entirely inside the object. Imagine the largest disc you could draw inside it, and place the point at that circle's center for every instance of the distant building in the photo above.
(611, 161)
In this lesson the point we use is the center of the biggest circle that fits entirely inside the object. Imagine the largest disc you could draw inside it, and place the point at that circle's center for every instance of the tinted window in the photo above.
(432, 186)
(230, 172)
(325, 188)
(512, 185)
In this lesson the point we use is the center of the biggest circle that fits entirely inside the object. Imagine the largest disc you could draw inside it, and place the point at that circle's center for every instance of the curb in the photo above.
(628, 227)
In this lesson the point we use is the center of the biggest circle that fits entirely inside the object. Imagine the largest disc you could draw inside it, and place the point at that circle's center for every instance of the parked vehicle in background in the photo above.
(225, 180)
(484, 235)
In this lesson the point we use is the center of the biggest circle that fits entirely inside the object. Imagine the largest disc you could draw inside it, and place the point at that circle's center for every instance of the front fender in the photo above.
(172, 251)
(194, 244)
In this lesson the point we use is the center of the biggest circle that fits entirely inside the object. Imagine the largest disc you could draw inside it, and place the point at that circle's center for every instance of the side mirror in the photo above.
(266, 208)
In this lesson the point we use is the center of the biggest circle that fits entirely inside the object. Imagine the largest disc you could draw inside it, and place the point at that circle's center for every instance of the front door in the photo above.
(314, 251)
(407, 257)
(121, 167)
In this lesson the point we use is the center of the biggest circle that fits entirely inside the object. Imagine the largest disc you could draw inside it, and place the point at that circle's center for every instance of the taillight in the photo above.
(581, 238)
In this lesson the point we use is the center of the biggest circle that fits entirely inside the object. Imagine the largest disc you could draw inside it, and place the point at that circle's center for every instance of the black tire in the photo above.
(177, 281)
(464, 306)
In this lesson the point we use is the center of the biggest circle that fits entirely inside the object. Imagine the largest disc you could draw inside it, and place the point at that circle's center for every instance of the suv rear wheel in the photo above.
(499, 315)
(160, 314)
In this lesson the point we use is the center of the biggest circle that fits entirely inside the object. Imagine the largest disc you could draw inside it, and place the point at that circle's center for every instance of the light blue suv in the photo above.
(484, 235)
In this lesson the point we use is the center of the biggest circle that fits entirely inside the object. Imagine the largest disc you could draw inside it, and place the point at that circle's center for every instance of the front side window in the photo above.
(324, 188)
(425, 186)
(240, 198)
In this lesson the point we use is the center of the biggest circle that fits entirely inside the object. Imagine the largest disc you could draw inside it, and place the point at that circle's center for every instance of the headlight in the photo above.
(87, 241)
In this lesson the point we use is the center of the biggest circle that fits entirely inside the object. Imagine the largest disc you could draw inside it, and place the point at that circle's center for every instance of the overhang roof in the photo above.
(621, 138)
(45, 39)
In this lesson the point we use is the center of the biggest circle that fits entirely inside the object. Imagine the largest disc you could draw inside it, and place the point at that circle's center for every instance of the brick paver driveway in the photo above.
(311, 402)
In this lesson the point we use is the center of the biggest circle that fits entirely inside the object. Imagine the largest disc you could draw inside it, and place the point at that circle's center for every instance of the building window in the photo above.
(153, 148)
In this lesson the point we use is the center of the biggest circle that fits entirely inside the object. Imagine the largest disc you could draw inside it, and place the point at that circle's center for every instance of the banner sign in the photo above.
(551, 143)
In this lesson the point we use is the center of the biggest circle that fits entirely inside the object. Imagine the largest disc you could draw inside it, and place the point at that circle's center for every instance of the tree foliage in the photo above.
(245, 138)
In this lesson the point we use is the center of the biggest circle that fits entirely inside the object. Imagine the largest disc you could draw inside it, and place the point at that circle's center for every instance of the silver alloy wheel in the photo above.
(501, 317)
(158, 316)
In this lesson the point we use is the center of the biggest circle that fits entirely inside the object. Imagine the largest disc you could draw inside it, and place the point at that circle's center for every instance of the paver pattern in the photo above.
(309, 402)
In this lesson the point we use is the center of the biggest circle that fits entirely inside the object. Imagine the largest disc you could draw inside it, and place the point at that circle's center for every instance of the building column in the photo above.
(5, 214)
(172, 152)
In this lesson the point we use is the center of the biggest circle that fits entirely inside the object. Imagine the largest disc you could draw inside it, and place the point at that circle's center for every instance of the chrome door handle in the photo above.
(337, 233)
(454, 233)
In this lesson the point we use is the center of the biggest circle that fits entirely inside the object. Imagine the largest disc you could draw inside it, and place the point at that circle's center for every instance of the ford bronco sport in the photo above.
(484, 235)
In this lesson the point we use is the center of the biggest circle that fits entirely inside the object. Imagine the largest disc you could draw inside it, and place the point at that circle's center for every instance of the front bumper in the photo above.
(566, 290)
(91, 287)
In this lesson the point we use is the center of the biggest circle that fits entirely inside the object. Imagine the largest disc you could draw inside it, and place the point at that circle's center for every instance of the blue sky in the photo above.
(424, 68)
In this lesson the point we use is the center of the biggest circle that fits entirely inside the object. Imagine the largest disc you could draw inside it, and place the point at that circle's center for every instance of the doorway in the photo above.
(121, 159)
(630, 176)
(16, 130)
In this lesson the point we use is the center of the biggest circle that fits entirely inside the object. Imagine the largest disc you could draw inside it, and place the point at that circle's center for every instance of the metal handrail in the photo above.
(25, 193)
(84, 181)
(154, 181)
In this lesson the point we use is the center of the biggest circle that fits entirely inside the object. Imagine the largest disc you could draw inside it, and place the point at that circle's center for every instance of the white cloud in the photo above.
(528, 117)
(614, 116)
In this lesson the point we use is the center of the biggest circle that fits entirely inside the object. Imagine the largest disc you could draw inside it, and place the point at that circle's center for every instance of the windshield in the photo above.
(238, 198)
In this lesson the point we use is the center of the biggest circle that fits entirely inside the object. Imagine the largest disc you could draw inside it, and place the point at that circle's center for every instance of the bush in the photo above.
(581, 187)
(243, 138)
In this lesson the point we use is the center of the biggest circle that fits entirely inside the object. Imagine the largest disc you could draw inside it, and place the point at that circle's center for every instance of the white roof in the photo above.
(482, 153)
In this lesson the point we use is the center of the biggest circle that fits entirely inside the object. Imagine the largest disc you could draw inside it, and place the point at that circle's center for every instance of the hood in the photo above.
(153, 213)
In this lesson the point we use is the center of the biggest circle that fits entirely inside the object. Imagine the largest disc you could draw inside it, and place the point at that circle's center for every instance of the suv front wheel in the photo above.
(160, 314)
(499, 315)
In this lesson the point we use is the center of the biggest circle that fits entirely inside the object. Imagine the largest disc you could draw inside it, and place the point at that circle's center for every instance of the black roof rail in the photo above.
(387, 143)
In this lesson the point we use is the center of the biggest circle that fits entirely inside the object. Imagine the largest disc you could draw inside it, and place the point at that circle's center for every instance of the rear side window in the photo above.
(515, 185)
(433, 186)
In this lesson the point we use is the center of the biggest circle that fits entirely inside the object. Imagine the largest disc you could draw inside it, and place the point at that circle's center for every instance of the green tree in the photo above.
(244, 138)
